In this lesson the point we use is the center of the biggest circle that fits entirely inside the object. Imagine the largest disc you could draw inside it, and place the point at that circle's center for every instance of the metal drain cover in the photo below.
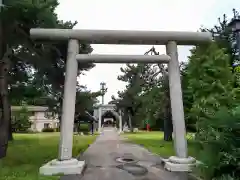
(134, 169)
(125, 160)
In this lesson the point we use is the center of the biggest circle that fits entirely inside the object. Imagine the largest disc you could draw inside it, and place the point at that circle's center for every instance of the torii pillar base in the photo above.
(66, 167)
(176, 164)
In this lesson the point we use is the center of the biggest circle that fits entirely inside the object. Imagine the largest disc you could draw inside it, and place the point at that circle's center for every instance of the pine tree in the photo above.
(210, 80)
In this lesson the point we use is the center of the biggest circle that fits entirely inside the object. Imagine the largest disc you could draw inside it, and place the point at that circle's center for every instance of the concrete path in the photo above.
(101, 161)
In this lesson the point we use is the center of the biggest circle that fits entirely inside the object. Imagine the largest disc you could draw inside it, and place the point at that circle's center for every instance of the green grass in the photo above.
(29, 151)
(154, 142)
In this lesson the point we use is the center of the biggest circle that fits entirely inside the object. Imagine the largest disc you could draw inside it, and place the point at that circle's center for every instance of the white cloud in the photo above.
(176, 15)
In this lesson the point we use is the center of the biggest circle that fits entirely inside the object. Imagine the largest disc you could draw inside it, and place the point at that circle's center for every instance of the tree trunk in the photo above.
(5, 132)
(79, 128)
(168, 127)
(4, 103)
(92, 127)
(167, 130)
(10, 131)
(130, 122)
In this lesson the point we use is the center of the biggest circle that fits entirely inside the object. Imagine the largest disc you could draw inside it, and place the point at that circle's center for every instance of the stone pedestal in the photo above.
(56, 167)
(176, 164)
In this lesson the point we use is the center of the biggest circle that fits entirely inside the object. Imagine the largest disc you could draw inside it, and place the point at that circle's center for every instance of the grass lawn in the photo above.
(154, 142)
(29, 151)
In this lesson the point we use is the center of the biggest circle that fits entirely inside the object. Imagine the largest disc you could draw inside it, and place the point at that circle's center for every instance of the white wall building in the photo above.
(40, 117)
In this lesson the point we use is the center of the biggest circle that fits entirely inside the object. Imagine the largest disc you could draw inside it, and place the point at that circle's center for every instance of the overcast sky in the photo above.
(173, 15)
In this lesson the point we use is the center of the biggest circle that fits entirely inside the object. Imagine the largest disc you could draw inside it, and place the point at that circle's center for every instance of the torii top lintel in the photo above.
(122, 36)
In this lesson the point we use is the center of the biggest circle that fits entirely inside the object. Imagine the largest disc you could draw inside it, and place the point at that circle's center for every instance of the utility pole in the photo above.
(103, 90)
(234, 25)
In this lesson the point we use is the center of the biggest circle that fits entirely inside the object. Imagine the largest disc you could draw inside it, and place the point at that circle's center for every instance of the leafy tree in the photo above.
(190, 121)
(147, 95)
(134, 75)
(35, 66)
(211, 83)
(161, 97)
(225, 37)
(85, 100)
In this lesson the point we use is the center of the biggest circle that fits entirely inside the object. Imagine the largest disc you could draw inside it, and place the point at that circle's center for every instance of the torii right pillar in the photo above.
(180, 162)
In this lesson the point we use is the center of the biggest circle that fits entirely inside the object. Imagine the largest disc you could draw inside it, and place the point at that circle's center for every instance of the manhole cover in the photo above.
(125, 160)
(134, 169)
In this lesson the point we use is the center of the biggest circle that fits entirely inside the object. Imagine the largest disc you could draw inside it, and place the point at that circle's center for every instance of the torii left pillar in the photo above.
(65, 164)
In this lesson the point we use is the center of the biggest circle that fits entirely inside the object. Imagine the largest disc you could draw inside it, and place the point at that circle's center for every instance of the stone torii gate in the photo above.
(101, 109)
(65, 163)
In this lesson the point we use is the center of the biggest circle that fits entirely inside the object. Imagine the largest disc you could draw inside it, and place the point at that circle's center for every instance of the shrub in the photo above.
(47, 130)
(57, 129)
(84, 128)
(30, 131)
(219, 139)
(20, 120)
